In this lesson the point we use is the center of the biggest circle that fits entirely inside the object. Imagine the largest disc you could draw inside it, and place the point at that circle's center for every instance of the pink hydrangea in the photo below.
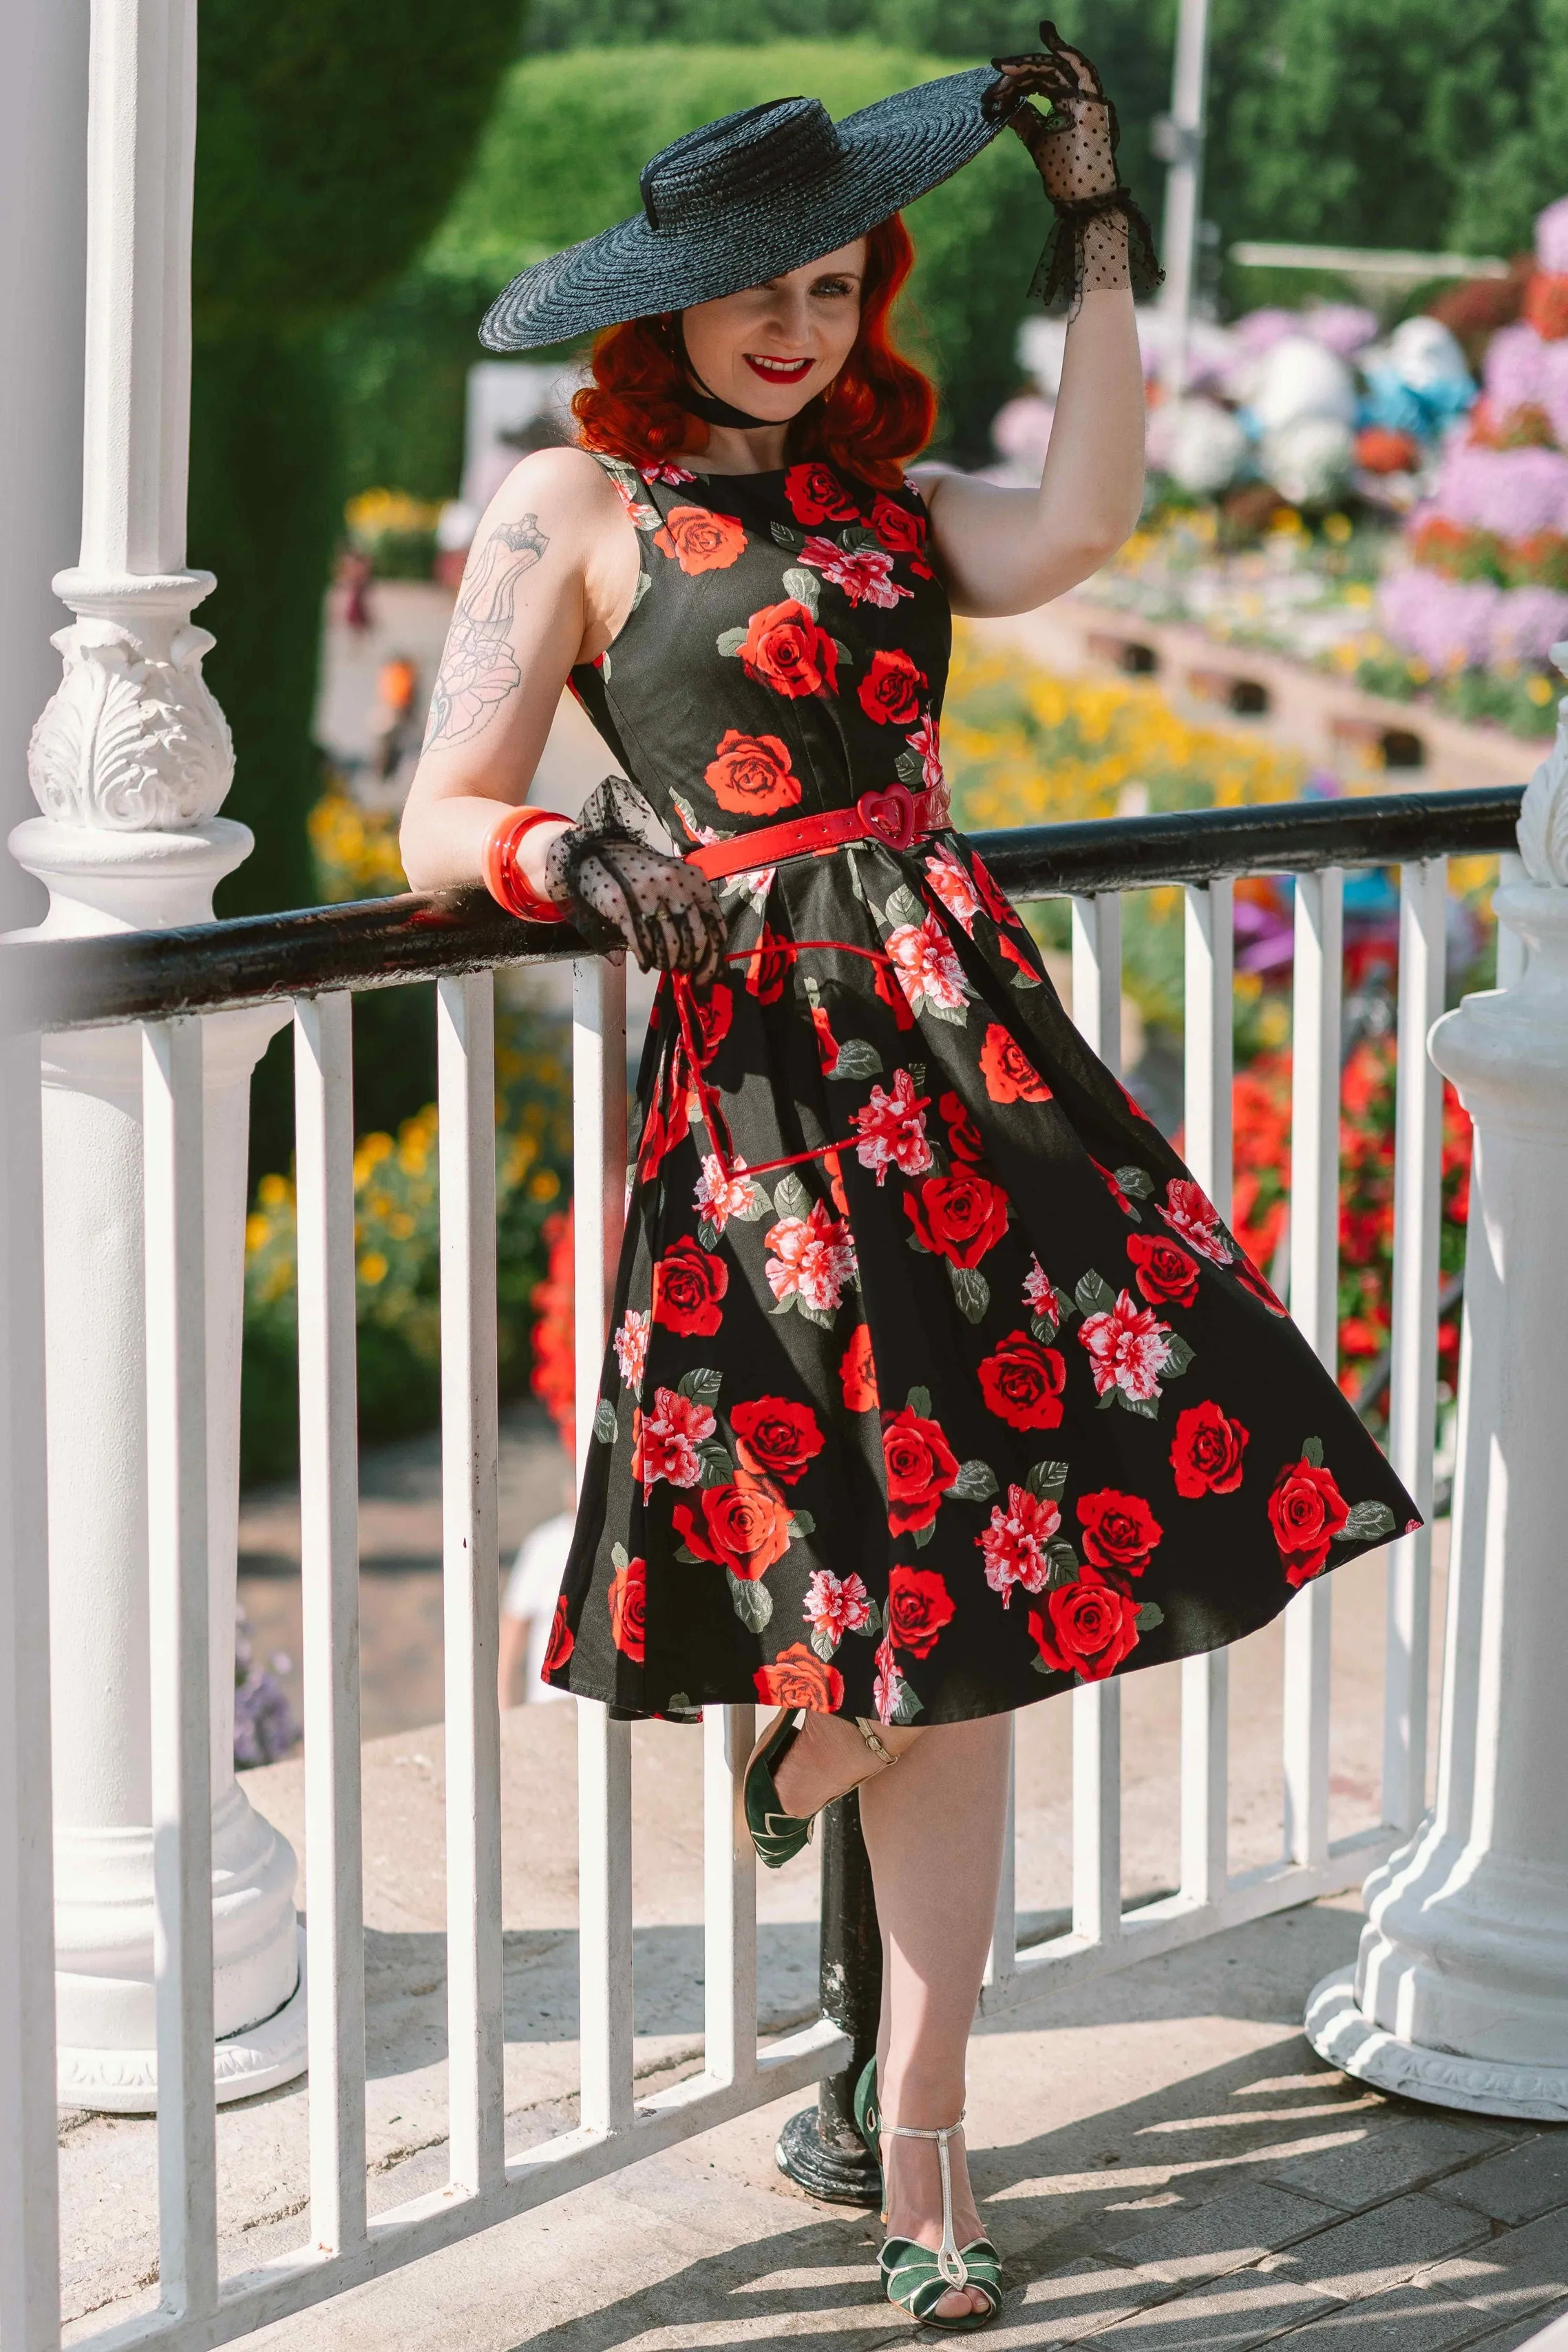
(1551, 235)
(1513, 492)
(1512, 375)
(1527, 624)
(1554, 386)
(1447, 624)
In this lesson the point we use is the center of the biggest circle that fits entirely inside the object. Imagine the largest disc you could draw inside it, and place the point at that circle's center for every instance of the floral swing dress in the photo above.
(935, 1383)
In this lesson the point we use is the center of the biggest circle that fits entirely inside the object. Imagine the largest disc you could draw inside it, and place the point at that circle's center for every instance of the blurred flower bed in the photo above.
(394, 533)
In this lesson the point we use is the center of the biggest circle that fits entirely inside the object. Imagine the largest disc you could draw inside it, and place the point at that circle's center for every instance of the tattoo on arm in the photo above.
(479, 668)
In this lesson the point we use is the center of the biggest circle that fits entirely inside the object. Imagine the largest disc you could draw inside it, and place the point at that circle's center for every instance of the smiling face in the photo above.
(774, 348)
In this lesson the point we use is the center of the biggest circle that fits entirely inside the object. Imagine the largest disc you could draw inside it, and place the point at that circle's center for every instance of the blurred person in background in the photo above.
(883, 1436)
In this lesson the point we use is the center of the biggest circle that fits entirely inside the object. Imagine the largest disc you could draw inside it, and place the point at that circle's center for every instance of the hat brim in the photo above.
(893, 153)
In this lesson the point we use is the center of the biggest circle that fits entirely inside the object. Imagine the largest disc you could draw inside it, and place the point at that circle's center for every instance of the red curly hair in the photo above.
(875, 416)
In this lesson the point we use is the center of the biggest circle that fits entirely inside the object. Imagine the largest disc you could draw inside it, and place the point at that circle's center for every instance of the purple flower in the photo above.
(1528, 623)
(1551, 235)
(1513, 372)
(1513, 492)
(1447, 624)
(1344, 328)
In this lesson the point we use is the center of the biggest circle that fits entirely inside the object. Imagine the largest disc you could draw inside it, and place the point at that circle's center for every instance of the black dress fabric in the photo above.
(935, 1383)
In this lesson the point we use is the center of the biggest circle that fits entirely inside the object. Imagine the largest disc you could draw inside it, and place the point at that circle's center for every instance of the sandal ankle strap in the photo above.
(868, 1732)
(949, 2262)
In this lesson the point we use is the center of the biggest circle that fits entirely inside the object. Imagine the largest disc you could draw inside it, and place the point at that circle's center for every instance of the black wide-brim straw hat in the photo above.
(749, 197)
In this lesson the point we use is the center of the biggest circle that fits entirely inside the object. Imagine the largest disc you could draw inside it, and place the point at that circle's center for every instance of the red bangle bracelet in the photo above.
(505, 883)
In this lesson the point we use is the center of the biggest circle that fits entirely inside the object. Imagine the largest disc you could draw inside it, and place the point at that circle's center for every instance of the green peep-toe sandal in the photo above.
(780, 1836)
(916, 2279)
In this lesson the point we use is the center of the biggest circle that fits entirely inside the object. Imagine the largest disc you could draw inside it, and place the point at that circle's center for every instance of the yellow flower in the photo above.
(1540, 690)
(544, 1184)
(1337, 528)
(400, 1226)
(273, 1191)
(258, 1234)
(372, 1268)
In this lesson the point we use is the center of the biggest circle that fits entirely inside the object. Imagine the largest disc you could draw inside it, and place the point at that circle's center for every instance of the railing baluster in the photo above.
(329, 1589)
(729, 1899)
(181, 1680)
(1097, 1706)
(30, 2168)
(1412, 1382)
(604, 1746)
(1314, 1282)
(466, 1068)
(1001, 1962)
(1208, 1055)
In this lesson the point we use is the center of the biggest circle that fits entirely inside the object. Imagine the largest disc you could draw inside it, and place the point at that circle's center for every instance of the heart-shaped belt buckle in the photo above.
(889, 814)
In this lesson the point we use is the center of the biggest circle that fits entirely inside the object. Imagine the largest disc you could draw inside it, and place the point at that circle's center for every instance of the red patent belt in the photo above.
(895, 816)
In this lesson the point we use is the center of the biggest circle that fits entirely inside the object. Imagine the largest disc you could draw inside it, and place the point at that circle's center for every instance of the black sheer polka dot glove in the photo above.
(624, 892)
(1099, 237)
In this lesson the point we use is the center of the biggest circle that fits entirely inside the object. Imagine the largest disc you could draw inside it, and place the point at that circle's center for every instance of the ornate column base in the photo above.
(258, 2058)
(1340, 2032)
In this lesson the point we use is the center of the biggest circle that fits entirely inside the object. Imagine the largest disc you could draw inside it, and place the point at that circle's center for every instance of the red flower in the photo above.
(918, 1605)
(1015, 954)
(688, 1284)
(901, 531)
(628, 1602)
(775, 1438)
(827, 1044)
(815, 495)
(699, 540)
(713, 1012)
(744, 1526)
(750, 775)
(835, 1173)
(993, 899)
(920, 1463)
(665, 1441)
(964, 1139)
(1248, 1276)
(1205, 1453)
(1022, 1382)
(893, 996)
(1114, 1189)
(1119, 1531)
(561, 1643)
(890, 689)
(1128, 1347)
(1010, 1075)
(768, 966)
(857, 1374)
(1189, 1211)
(1163, 1270)
(1015, 1547)
(892, 1129)
(959, 1216)
(797, 1677)
(1086, 1629)
(1306, 1511)
(785, 649)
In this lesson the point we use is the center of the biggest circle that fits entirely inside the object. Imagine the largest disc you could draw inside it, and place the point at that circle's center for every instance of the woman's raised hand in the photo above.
(1074, 146)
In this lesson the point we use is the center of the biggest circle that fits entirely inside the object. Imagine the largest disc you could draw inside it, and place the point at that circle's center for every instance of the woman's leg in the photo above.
(934, 1825)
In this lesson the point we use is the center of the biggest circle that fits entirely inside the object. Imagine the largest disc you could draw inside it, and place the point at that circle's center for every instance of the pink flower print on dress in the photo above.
(1129, 1348)
(887, 1690)
(813, 1259)
(1188, 1210)
(718, 1197)
(947, 881)
(865, 574)
(926, 742)
(836, 1605)
(1038, 1290)
(1014, 1545)
(631, 1348)
(925, 966)
(893, 1129)
(667, 1441)
(672, 476)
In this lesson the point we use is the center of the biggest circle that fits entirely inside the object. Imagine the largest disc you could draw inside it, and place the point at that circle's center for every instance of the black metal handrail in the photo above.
(378, 942)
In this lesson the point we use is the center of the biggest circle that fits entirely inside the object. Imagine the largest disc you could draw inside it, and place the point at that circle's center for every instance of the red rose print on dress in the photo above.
(700, 540)
(628, 1601)
(836, 1605)
(1128, 1348)
(714, 1014)
(902, 532)
(946, 880)
(717, 1197)
(1306, 1511)
(665, 1441)
(1248, 1276)
(1114, 1186)
(833, 1168)
(750, 775)
(890, 689)
(894, 997)
(1163, 1270)
(812, 1260)
(1119, 1531)
(857, 1374)
(561, 1643)
(827, 1044)
(925, 967)
(688, 1284)
(1022, 1382)
(920, 1465)
(815, 495)
(892, 1129)
(1017, 958)
(797, 1677)
(959, 1217)
(1015, 1545)
(744, 1527)
(631, 1348)
(1085, 1629)
(775, 1438)
(993, 897)
(783, 648)
(864, 574)
(918, 1605)
(768, 965)
(1205, 1453)
(1010, 1075)
(1188, 1210)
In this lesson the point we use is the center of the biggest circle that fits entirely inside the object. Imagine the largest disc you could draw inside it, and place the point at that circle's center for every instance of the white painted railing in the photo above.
(615, 2127)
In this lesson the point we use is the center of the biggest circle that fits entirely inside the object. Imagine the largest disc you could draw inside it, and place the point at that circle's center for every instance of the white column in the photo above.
(130, 764)
(1460, 1994)
(1179, 138)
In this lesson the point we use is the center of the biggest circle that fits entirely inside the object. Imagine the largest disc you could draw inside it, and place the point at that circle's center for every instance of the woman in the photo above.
(887, 1433)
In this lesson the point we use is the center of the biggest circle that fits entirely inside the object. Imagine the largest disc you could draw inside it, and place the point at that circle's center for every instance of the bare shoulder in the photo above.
(564, 493)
